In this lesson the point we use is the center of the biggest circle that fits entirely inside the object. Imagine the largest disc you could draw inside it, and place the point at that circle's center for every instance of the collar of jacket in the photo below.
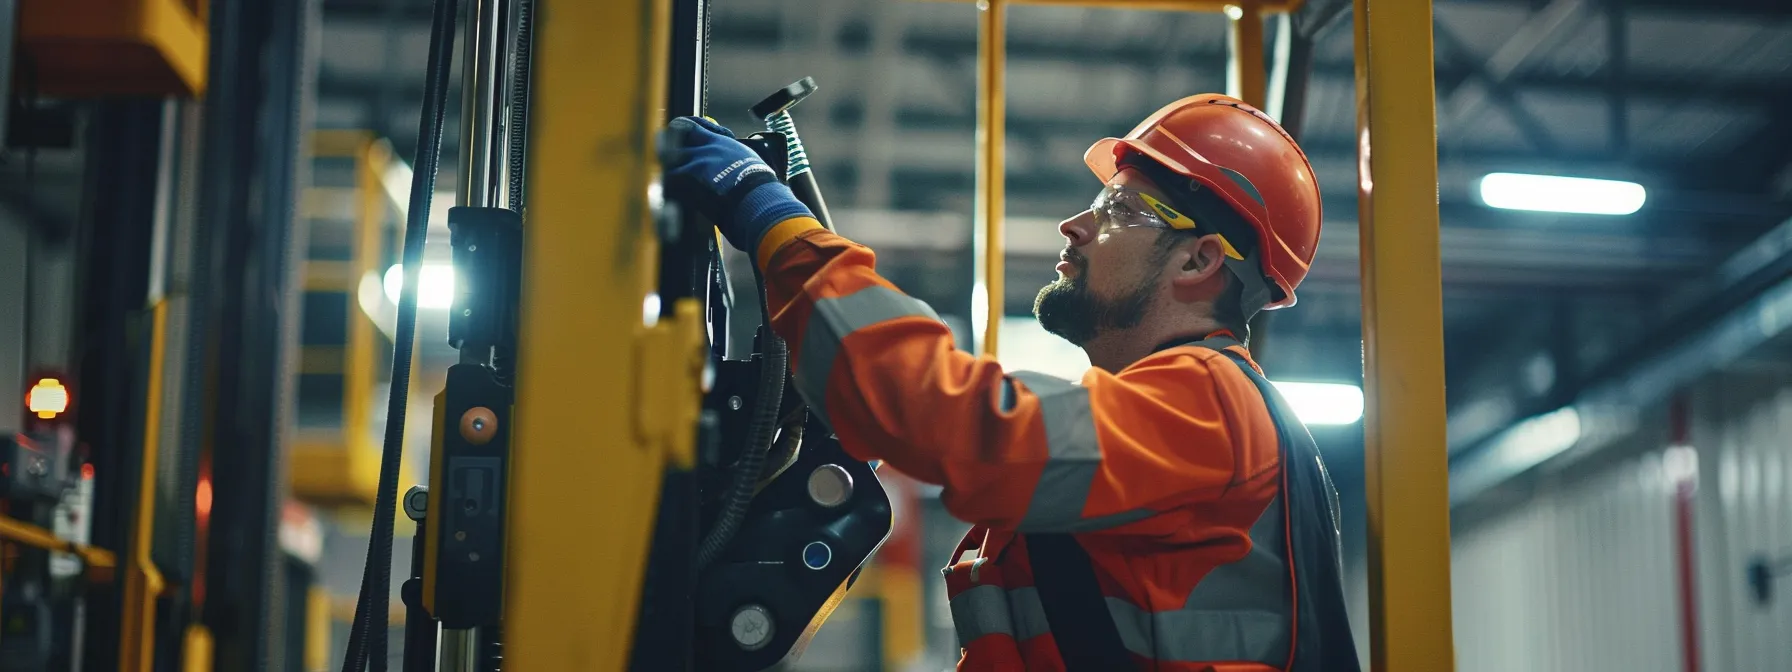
(1184, 340)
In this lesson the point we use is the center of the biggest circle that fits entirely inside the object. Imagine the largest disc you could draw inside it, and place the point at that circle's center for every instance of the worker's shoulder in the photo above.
(1189, 360)
(1201, 372)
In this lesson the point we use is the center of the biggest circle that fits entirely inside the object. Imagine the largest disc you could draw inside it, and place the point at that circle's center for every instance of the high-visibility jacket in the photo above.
(1169, 473)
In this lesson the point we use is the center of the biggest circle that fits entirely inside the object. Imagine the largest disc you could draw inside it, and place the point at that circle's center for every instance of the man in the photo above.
(1169, 512)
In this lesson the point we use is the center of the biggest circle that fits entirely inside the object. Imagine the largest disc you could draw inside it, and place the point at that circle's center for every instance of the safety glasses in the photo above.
(1118, 207)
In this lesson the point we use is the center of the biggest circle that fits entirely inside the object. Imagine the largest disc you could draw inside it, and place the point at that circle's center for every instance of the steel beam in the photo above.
(1534, 130)
(1405, 459)
(1714, 299)
(1544, 27)
(1617, 59)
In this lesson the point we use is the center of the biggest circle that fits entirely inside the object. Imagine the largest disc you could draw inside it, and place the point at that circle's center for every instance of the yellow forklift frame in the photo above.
(608, 395)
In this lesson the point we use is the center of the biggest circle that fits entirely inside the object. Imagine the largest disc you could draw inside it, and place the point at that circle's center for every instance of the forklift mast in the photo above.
(760, 522)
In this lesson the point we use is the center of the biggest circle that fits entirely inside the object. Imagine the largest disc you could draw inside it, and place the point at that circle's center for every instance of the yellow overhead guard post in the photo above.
(607, 392)
(142, 580)
(1246, 71)
(1263, 6)
(987, 242)
(1403, 365)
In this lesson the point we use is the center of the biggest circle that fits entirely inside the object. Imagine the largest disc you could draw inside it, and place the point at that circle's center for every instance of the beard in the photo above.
(1069, 309)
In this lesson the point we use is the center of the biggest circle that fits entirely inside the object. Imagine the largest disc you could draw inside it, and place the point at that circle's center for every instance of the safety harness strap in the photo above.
(1075, 610)
(1078, 615)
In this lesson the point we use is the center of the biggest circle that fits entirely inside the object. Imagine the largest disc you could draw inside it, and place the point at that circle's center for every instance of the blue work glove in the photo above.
(707, 168)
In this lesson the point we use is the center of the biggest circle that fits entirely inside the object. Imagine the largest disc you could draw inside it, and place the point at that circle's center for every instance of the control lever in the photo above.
(775, 110)
(814, 523)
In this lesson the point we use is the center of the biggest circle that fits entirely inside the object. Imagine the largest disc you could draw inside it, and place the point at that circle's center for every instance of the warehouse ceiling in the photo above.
(1687, 99)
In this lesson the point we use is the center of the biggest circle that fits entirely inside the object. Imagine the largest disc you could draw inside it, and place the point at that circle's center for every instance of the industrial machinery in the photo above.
(753, 546)
(623, 477)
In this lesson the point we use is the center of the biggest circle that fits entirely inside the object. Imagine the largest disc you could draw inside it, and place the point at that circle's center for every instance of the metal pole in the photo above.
(986, 302)
(1245, 73)
(1405, 459)
(482, 140)
(9, 24)
(459, 650)
(483, 184)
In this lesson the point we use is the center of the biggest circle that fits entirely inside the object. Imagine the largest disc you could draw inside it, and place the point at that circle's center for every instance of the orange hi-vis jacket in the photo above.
(1168, 473)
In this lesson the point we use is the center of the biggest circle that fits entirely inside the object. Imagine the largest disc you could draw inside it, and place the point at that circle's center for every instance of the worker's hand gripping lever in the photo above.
(815, 514)
(775, 110)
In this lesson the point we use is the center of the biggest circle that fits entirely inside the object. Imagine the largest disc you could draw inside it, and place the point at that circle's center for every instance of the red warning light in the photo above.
(87, 471)
(202, 499)
(48, 398)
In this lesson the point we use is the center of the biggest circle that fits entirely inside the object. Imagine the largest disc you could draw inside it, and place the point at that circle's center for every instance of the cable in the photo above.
(504, 354)
(376, 578)
(519, 99)
(761, 429)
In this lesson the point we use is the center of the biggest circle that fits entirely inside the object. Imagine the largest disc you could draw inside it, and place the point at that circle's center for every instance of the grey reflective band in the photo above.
(980, 611)
(832, 321)
(1241, 611)
(1028, 614)
(1074, 457)
(990, 610)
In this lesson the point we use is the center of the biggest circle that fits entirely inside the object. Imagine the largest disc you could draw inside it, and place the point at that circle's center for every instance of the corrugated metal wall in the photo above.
(1579, 578)
(1582, 575)
(1744, 435)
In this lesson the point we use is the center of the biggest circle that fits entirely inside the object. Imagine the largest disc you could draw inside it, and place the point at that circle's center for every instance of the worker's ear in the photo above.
(1196, 260)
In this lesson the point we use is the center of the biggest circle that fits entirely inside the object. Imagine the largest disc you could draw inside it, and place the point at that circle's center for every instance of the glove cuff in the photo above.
(765, 206)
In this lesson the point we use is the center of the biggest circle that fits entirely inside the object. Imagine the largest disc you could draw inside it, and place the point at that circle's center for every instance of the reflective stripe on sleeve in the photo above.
(1074, 458)
(832, 321)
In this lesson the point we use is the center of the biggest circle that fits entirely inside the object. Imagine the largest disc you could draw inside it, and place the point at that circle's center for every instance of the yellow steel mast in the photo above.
(607, 392)
(1406, 457)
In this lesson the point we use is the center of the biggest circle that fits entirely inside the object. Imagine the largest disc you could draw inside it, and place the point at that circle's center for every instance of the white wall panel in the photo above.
(1745, 432)
(1579, 578)
(1583, 575)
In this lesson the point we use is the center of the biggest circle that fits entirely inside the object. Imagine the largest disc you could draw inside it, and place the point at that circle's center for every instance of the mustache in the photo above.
(1075, 258)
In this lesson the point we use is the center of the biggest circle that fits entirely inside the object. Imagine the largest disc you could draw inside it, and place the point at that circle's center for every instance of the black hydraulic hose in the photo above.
(519, 99)
(504, 354)
(368, 633)
(743, 483)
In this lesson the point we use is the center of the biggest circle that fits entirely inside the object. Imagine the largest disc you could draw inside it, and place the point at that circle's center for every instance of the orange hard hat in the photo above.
(1231, 150)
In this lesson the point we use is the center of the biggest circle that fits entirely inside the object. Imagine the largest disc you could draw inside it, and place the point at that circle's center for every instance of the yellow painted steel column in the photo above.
(1247, 77)
(1158, 5)
(1403, 360)
(988, 244)
(142, 581)
(607, 391)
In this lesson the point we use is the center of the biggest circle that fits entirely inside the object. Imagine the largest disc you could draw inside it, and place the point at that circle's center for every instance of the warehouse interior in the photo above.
(1617, 383)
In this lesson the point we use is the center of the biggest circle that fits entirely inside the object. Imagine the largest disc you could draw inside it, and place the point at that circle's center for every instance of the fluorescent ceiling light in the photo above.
(1552, 193)
(435, 285)
(1323, 403)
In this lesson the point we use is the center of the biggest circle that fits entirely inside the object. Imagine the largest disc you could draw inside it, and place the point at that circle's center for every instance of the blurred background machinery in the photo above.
(197, 247)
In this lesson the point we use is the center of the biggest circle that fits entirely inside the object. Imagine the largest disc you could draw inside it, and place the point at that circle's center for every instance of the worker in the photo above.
(1168, 512)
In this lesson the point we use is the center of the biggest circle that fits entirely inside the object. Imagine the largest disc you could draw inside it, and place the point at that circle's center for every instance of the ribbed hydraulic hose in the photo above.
(504, 354)
(367, 636)
(761, 428)
(519, 98)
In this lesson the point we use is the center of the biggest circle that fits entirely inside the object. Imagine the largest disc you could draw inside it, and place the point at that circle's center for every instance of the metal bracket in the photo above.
(669, 364)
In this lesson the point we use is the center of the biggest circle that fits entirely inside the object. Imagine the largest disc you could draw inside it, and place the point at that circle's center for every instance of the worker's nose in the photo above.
(1079, 229)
